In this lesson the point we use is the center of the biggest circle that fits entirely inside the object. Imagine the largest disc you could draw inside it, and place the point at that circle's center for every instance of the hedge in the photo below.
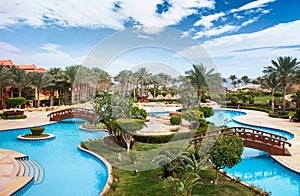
(153, 138)
(14, 117)
(175, 120)
(15, 101)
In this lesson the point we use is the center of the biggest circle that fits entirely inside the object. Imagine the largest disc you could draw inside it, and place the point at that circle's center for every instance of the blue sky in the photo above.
(241, 36)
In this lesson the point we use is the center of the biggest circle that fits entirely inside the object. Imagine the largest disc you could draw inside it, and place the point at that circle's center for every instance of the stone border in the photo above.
(108, 166)
(50, 136)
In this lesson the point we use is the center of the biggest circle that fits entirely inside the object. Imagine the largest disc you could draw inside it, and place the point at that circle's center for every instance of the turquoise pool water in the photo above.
(257, 167)
(68, 171)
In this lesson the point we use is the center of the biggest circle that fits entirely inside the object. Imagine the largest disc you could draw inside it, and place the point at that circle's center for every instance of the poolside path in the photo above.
(10, 181)
(262, 119)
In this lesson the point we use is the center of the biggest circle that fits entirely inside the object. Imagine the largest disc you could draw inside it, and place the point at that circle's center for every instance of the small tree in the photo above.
(226, 152)
(127, 127)
(18, 101)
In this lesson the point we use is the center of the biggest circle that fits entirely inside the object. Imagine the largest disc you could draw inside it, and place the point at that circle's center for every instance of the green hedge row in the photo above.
(14, 117)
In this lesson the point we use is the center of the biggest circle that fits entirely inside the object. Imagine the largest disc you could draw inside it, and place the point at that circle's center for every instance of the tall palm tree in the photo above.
(202, 79)
(143, 76)
(124, 78)
(21, 80)
(39, 81)
(53, 73)
(233, 78)
(286, 67)
(102, 79)
(70, 72)
(245, 79)
(165, 80)
(5, 76)
(272, 81)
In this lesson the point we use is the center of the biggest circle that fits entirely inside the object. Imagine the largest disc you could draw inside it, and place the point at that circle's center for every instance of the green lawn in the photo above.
(265, 99)
(149, 182)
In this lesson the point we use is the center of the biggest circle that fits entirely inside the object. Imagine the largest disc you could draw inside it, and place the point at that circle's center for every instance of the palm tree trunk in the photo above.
(273, 102)
(20, 92)
(52, 97)
(284, 101)
(12, 92)
(38, 100)
(217, 177)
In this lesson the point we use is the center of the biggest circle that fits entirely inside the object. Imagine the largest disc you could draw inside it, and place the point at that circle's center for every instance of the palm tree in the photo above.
(233, 78)
(39, 80)
(143, 76)
(102, 79)
(286, 68)
(53, 73)
(124, 78)
(5, 76)
(202, 79)
(156, 81)
(245, 79)
(272, 81)
(165, 79)
(21, 80)
(70, 72)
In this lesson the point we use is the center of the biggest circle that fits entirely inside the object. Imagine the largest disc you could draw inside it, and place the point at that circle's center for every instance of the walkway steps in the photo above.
(32, 168)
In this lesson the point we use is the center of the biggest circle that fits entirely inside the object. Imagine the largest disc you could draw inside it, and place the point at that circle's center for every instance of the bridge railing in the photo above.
(248, 134)
(82, 113)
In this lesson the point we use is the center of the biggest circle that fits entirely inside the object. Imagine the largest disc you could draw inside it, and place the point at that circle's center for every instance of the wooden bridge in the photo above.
(253, 138)
(81, 113)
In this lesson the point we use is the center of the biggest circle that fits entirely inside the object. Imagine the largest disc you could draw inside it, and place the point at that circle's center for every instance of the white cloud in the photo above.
(252, 5)
(6, 47)
(248, 53)
(50, 47)
(96, 14)
(216, 31)
(206, 21)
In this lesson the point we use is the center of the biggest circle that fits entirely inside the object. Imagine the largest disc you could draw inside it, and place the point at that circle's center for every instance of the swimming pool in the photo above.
(257, 167)
(68, 171)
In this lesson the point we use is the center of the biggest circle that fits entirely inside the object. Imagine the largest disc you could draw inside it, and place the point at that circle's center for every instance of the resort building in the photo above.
(27, 68)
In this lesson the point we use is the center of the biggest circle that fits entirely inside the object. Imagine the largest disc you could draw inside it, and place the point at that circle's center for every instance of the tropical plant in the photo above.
(70, 73)
(5, 77)
(20, 80)
(39, 80)
(272, 81)
(202, 79)
(233, 80)
(226, 152)
(286, 68)
(195, 117)
(143, 77)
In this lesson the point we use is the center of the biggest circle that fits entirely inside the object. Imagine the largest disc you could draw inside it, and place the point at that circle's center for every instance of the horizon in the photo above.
(240, 37)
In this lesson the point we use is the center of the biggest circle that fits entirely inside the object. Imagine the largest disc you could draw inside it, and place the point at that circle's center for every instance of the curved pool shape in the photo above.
(257, 167)
(68, 171)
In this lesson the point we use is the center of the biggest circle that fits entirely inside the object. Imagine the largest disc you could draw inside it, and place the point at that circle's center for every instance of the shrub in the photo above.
(153, 138)
(37, 130)
(278, 94)
(207, 111)
(15, 101)
(274, 115)
(138, 113)
(234, 100)
(175, 120)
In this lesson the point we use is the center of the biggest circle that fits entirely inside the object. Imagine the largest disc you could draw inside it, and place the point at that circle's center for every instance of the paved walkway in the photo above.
(10, 181)
(252, 117)
(262, 119)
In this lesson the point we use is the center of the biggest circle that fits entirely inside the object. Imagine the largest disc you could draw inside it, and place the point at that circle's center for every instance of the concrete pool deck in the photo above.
(9, 184)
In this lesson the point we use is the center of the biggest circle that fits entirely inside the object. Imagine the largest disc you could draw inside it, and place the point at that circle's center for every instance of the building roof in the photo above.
(27, 68)
(6, 62)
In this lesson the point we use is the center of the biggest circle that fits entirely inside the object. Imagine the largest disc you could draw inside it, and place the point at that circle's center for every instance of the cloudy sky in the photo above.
(241, 36)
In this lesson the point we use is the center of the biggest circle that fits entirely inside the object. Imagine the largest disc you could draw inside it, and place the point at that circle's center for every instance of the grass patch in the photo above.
(150, 183)
(94, 126)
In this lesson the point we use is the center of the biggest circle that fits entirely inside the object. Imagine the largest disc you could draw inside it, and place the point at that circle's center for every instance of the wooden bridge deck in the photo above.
(253, 138)
(81, 113)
